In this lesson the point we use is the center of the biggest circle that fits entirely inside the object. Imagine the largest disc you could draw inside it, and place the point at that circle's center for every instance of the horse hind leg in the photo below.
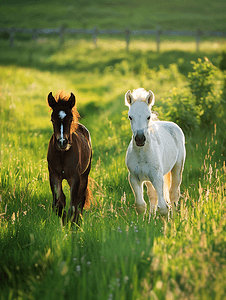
(74, 184)
(80, 195)
(88, 196)
(166, 187)
(174, 192)
(83, 201)
(84, 193)
(152, 195)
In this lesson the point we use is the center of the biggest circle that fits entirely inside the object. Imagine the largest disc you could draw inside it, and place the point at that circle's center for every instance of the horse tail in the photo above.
(167, 184)
(88, 196)
(92, 187)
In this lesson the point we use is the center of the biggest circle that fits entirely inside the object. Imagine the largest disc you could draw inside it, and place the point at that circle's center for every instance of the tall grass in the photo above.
(114, 254)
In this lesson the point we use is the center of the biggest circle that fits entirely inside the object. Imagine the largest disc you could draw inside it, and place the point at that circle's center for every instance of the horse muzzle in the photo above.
(140, 138)
(64, 144)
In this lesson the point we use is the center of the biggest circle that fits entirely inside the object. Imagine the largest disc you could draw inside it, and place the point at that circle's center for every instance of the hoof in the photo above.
(141, 208)
(163, 211)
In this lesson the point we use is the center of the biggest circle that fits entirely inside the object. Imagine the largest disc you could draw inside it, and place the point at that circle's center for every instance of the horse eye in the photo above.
(149, 118)
(130, 118)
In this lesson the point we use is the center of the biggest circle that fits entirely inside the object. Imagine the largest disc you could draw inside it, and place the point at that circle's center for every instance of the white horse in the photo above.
(155, 154)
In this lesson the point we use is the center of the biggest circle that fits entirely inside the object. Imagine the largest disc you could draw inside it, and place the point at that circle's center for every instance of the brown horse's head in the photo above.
(64, 116)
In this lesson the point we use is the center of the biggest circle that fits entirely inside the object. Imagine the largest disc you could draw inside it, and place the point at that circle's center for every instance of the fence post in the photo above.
(34, 34)
(12, 35)
(158, 33)
(61, 34)
(198, 37)
(95, 34)
(127, 34)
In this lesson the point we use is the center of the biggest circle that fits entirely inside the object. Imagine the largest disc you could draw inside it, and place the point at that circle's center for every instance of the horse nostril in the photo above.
(62, 142)
(140, 137)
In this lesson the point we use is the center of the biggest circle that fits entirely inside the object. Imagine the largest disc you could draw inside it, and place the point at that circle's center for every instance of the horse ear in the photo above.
(71, 101)
(150, 99)
(51, 100)
(128, 98)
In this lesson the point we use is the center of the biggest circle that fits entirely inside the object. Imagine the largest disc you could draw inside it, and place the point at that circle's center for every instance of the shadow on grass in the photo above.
(41, 57)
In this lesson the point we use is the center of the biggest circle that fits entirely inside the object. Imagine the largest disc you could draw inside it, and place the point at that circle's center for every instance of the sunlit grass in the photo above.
(166, 44)
(113, 254)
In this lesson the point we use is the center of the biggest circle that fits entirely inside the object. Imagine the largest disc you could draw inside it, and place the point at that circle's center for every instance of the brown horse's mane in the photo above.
(62, 96)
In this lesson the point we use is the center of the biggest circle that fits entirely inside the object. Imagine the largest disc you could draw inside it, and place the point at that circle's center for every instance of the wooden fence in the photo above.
(127, 34)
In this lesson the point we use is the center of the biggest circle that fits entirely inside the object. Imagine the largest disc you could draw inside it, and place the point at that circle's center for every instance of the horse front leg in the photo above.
(152, 195)
(75, 205)
(59, 199)
(137, 188)
(158, 183)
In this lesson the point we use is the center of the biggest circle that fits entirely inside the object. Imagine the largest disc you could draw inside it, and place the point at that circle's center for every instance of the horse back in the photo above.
(166, 129)
(82, 141)
(81, 129)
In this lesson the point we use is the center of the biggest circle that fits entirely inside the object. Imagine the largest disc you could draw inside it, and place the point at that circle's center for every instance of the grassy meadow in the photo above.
(184, 15)
(114, 253)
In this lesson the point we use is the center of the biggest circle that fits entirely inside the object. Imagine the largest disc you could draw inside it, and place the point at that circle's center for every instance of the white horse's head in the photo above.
(140, 102)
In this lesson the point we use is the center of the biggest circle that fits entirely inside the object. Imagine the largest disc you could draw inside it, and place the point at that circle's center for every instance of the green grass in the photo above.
(114, 254)
(186, 15)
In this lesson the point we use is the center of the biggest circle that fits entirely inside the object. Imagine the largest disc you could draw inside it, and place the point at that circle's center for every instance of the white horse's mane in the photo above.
(140, 94)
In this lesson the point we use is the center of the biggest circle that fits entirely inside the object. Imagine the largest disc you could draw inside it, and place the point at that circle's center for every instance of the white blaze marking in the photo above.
(62, 134)
(62, 114)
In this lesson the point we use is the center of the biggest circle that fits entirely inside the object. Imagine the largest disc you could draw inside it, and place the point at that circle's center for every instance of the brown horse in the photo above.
(69, 157)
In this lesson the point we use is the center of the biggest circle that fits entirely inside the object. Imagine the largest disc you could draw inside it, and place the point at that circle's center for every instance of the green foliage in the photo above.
(181, 109)
(171, 74)
(222, 65)
(202, 81)
(139, 66)
(200, 103)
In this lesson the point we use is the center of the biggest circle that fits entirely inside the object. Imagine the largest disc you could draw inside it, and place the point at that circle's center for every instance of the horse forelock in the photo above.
(140, 94)
(62, 96)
